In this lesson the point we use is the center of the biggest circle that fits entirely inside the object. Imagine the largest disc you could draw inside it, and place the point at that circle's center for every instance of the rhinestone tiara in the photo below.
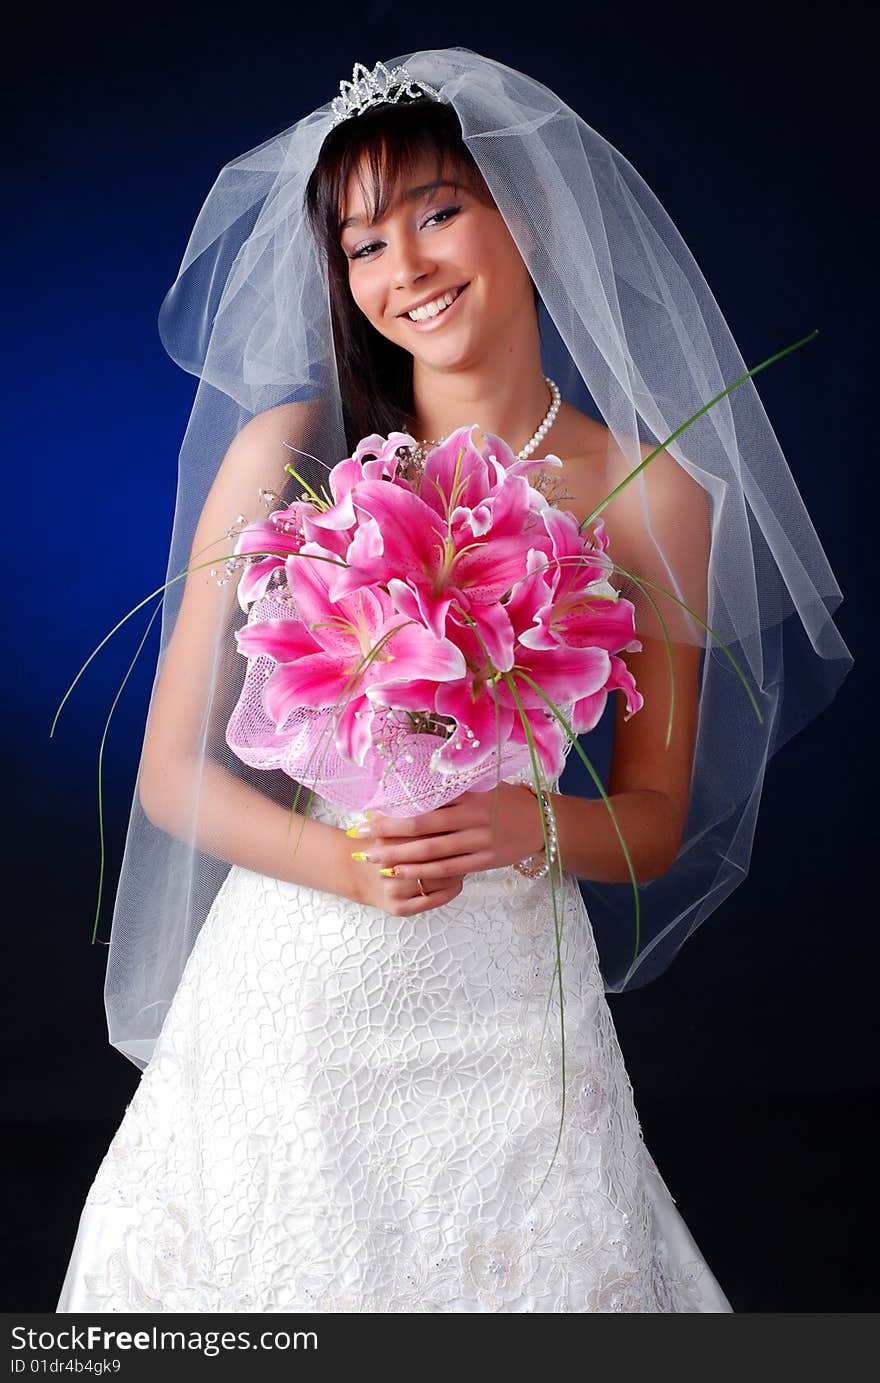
(376, 88)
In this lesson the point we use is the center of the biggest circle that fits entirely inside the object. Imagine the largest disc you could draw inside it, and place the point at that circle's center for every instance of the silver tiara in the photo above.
(375, 88)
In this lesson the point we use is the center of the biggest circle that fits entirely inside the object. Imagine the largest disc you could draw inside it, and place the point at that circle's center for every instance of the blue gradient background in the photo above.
(750, 132)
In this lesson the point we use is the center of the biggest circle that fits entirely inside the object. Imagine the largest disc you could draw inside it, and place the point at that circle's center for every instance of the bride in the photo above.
(352, 1077)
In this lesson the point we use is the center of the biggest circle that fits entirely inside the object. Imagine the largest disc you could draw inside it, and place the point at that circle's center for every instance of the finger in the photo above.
(392, 827)
(436, 822)
(418, 851)
(434, 870)
(400, 893)
(437, 899)
(408, 888)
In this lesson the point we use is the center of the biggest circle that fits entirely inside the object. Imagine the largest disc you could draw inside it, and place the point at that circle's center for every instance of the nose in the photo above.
(410, 263)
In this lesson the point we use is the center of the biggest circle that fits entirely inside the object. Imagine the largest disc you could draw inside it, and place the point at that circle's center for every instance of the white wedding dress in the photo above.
(348, 1111)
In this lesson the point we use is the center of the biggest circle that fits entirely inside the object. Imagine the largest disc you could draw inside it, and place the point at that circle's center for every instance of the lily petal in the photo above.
(315, 681)
(254, 580)
(354, 730)
(414, 652)
(563, 673)
(474, 712)
(496, 631)
(285, 640)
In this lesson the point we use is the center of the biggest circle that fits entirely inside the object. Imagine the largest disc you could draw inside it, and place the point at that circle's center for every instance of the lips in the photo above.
(457, 289)
(434, 323)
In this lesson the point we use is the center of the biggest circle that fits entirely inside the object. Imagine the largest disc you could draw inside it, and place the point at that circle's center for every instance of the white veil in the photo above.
(631, 333)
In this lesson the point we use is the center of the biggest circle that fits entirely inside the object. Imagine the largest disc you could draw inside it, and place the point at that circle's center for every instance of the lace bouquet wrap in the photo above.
(406, 645)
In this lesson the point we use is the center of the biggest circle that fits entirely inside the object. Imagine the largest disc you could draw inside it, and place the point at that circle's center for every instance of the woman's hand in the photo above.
(402, 897)
(479, 830)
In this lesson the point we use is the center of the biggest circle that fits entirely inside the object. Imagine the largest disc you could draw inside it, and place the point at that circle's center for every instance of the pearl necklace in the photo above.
(418, 452)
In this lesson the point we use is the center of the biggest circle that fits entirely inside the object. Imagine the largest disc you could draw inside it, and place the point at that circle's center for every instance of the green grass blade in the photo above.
(557, 928)
(699, 413)
(605, 798)
(101, 767)
(160, 590)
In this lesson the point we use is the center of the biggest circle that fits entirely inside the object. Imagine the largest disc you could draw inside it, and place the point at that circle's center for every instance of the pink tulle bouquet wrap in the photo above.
(399, 637)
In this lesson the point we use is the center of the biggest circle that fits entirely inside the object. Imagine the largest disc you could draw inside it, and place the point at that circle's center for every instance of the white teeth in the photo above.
(432, 309)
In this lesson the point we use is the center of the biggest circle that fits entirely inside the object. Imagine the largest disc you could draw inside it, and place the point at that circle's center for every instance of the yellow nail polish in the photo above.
(369, 815)
(352, 831)
(358, 855)
(390, 872)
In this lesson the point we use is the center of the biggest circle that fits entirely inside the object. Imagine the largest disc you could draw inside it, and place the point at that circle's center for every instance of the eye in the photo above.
(435, 216)
(448, 211)
(364, 250)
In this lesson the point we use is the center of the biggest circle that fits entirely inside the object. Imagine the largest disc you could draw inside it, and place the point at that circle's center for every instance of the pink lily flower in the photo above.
(462, 537)
(505, 463)
(563, 606)
(563, 611)
(318, 655)
(334, 526)
(281, 534)
(565, 674)
(384, 451)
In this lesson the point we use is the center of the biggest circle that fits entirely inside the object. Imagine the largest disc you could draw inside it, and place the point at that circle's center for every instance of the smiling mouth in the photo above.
(420, 321)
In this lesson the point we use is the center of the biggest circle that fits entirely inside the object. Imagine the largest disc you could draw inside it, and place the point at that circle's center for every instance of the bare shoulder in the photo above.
(596, 463)
(254, 462)
(284, 416)
(678, 506)
(284, 425)
(265, 444)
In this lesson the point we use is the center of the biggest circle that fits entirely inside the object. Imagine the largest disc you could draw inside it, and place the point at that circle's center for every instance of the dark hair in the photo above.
(375, 375)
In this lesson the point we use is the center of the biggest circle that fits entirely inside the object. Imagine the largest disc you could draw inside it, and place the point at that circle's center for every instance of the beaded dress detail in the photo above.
(348, 1111)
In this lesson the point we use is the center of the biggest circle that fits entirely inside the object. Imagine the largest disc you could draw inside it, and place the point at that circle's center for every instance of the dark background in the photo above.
(752, 1059)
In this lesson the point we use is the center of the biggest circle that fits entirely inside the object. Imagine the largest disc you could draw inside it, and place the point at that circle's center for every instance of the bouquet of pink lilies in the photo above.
(430, 635)
(427, 629)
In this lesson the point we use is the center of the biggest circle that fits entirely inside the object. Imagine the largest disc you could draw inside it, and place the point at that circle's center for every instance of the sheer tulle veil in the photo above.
(631, 332)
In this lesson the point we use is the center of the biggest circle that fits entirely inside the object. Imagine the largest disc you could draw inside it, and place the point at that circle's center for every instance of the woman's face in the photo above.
(434, 240)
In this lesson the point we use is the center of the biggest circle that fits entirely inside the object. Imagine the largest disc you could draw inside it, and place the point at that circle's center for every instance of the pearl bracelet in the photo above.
(537, 865)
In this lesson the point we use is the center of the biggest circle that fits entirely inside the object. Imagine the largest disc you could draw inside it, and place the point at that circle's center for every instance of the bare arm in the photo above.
(649, 785)
(237, 823)
(203, 801)
(589, 845)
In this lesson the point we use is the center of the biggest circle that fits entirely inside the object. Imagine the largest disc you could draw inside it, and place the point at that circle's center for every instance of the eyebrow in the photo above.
(411, 195)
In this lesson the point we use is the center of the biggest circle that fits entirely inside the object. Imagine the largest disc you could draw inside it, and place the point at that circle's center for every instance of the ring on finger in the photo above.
(421, 890)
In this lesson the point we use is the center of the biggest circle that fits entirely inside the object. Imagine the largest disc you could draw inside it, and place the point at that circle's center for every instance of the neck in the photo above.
(505, 395)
